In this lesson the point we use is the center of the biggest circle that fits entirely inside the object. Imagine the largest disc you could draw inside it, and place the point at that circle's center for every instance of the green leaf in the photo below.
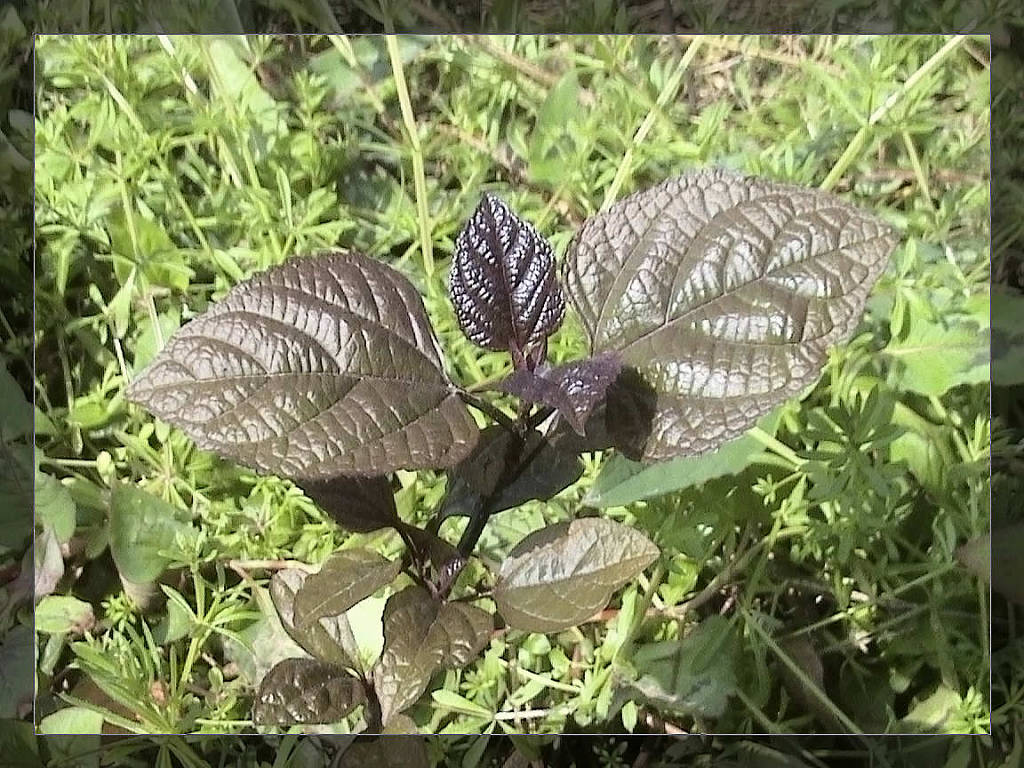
(695, 675)
(17, 673)
(141, 526)
(264, 643)
(346, 578)
(152, 337)
(456, 703)
(562, 575)
(16, 479)
(371, 58)
(54, 507)
(235, 82)
(421, 636)
(60, 614)
(73, 737)
(923, 458)
(1007, 338)
(306, 691)
(16, 417)
(723, 295)
(933, 358)
(623, 481)
(18, 743)
(72, 720)
(933, 713)
(323, 366)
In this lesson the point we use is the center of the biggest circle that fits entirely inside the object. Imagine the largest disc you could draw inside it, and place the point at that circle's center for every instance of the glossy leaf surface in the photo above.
(330, 639)
(539, 470)
(306, 691)
(323, 366)
(503, 281)
(357, 504)
(347, 577)
(562, 575)
(421, 636)
(573, 389)
(723, 294)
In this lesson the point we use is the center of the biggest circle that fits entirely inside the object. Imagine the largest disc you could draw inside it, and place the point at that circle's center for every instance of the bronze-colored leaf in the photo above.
(723, 294)
(320, 367)
(304, 692)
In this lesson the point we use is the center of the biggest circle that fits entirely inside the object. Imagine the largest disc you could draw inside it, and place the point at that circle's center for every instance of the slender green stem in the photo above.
(667, 92)
(915, 162)
(849, 156)
(783, 450)
(412, 133)
(802, 676)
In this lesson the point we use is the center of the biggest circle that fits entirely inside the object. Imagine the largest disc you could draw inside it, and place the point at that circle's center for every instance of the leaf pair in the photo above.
(718, 294)
(320, 689)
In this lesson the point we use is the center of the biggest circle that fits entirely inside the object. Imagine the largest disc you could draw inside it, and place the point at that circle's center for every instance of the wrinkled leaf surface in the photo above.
(503, 281)
(347, 577)
(306, 691)
(422, 635)
(574, 389)
(330, 639)
(323, 366)
(723, 294)
(562, 575)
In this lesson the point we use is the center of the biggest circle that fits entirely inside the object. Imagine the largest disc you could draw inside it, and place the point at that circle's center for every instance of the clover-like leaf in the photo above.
(503, 281)
(347, 577)
(507, 477)
(357, 504)
(421, 636)
(722, 294)
(562, 575)
(574, 389)
(304, 692)
(323, 366)
(330, 639)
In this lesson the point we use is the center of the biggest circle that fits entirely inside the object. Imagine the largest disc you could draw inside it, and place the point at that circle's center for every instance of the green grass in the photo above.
(169, 169)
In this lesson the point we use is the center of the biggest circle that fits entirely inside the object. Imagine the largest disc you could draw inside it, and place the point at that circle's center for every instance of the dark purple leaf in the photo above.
(320, 367)
(348, 576)
(574, 389)
(422, 635)
(503, 281)
(540, 470)
(305, 692)
(330, 639)
(722, 294)
(358, 504)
